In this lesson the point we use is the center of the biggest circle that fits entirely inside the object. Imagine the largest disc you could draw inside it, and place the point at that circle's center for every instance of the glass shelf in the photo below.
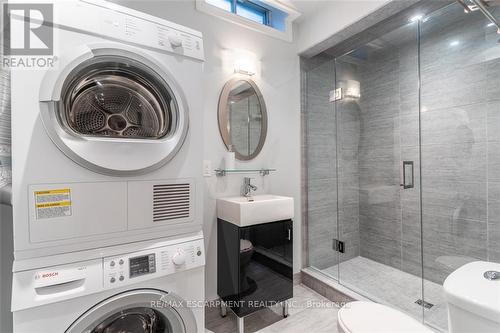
(225, 172)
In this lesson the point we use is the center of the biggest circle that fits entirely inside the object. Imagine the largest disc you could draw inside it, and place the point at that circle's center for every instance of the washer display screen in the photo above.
(142, 265)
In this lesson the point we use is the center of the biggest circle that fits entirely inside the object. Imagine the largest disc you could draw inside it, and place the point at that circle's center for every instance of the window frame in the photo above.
(268, 29)
(248, 5)
(256, 8)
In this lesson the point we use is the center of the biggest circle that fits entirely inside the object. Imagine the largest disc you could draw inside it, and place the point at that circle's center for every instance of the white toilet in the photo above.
(364, 317)
(472, 293)
(473, 296)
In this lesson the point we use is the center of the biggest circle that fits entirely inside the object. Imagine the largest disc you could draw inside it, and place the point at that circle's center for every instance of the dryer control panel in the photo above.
(147, 264)
(110, 20)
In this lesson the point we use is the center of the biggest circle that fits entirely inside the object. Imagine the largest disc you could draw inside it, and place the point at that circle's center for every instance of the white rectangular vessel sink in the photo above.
(264, 208)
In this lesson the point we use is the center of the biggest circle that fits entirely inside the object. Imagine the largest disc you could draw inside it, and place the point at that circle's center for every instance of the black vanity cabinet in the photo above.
(254, 265)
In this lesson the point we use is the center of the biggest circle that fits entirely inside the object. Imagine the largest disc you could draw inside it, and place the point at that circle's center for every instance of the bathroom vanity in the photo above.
(254, 233)
(254, 255)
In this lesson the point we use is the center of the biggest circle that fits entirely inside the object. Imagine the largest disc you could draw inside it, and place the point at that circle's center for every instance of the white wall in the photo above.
(331, 17)
(279, 83)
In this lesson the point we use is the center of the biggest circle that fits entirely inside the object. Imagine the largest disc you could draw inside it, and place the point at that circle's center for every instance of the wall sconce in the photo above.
(240, 61)
(353, 89)
(244, 66)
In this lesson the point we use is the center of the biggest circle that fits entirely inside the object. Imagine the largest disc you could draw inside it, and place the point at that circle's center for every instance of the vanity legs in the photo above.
(285, 308)
(240, 324)
(223, 309)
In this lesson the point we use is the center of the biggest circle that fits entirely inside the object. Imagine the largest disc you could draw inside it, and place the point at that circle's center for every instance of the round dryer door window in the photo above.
(137, 311)
(118, 100)
(134, 320)
(116, 112)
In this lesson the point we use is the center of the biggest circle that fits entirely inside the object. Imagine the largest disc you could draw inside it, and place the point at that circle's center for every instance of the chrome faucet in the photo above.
(248, 188)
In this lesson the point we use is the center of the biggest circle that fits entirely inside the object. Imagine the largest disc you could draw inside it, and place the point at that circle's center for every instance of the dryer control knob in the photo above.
(179, 258)
(175, 40)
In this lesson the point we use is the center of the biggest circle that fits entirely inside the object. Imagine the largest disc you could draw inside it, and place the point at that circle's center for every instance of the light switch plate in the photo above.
(207, 168)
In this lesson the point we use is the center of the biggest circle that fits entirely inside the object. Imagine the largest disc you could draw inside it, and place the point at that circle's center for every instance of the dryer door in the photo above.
(137, 311)
(114, 111)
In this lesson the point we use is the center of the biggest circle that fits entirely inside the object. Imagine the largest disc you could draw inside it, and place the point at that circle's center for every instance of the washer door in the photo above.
(137, 311)
(115, 111)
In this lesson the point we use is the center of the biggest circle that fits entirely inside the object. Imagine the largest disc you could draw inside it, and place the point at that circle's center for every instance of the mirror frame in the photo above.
(223, 117)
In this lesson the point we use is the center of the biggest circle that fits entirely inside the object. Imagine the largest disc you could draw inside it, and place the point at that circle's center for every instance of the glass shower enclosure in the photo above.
(402, 148)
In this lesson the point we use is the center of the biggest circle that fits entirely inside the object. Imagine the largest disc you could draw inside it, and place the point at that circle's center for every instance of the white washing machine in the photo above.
(154, 287)
(108, 144)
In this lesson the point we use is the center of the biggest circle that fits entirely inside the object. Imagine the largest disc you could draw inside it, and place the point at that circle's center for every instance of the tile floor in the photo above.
(308, 312)
(388, 285)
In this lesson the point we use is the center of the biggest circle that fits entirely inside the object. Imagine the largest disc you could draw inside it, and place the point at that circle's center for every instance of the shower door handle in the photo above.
(408, 177)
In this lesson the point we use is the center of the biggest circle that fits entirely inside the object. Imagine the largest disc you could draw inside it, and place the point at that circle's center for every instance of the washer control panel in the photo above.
(155, 262)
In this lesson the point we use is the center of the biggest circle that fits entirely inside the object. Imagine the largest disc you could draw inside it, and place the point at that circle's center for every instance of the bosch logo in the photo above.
(48, 275)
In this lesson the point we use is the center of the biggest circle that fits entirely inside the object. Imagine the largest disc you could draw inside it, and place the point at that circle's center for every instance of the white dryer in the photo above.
(107, 145)
(154, 287)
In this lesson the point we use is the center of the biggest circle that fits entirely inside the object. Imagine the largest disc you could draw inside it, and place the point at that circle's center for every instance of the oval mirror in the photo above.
(242, 118)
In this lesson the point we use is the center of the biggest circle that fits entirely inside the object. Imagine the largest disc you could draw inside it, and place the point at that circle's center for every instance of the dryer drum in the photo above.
(117, 99)
(89, 119)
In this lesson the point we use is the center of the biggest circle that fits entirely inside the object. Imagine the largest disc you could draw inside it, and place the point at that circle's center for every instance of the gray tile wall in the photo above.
(319, 136)
(379, 156)
(245, 118)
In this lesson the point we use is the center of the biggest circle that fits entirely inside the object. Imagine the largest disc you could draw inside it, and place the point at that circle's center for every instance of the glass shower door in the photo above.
(320, 151)
(378, 170)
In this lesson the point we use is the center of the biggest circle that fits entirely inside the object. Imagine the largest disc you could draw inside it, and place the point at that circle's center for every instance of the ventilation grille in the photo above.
(171, 201)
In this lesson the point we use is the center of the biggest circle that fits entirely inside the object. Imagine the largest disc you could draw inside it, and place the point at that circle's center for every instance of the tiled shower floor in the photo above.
(388, 285)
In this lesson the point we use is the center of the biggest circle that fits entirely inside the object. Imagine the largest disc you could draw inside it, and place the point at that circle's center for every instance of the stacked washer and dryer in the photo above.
(107, 156)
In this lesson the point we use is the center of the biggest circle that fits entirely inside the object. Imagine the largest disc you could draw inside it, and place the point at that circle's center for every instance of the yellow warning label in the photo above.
(64, 190)
(53, 203)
